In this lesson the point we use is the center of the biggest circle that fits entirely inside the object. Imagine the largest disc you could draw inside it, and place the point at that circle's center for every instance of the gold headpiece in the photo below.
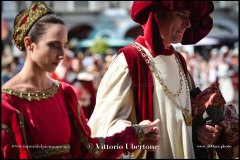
(26, 21)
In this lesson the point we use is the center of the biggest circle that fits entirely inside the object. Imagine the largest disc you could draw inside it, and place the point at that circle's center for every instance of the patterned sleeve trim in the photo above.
(54, 150)
(21, 122)
(22, 127)
(78, 110)
(139, 132)
(8, 130)
(232, 128)
(230, 136)
(42, 153)
(95, 150)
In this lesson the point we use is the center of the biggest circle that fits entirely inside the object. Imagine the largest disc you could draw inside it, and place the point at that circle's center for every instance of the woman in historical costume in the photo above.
(41, 117)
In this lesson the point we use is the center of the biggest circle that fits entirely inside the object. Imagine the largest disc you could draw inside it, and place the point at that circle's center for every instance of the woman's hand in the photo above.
(152, 134)
(147, 125)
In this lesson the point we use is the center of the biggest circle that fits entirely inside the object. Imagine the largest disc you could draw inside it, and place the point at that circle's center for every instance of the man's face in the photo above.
(172, 25)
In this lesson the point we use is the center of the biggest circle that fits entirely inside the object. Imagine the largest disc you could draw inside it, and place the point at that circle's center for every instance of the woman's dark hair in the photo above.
(39, 28)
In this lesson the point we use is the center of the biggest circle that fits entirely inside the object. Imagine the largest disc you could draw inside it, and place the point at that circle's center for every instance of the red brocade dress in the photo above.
(51, 124)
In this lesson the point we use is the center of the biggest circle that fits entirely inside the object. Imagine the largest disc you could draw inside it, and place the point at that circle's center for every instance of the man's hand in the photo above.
(208, 134)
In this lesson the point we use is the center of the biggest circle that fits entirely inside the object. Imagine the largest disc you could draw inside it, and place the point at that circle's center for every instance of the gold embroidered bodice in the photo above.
(34, 95)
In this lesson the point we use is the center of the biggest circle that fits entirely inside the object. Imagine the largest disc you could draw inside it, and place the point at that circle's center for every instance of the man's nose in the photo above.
(187, 23)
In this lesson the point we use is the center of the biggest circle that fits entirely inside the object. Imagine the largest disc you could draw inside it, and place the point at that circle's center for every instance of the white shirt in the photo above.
(114, 108)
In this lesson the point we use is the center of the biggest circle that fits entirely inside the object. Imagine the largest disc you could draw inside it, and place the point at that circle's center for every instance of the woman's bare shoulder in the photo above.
(10, 83)
(15, 83)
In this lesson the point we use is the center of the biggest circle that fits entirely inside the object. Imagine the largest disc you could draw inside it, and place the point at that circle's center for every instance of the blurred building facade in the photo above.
(88, 20)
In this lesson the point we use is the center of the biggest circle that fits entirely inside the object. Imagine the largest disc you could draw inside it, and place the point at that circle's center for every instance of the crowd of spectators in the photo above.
(84, 71)
(222, 66)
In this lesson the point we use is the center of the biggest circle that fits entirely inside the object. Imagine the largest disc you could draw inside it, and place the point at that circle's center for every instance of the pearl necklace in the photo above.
(186, 114)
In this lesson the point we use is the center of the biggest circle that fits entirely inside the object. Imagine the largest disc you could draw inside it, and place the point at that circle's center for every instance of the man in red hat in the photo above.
(149, 79)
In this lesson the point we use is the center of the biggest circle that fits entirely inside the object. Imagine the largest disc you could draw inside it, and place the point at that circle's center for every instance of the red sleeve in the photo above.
(84, 146)
(12, 138)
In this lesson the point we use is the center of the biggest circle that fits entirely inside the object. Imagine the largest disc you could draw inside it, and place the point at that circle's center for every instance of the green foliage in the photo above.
(100, 46)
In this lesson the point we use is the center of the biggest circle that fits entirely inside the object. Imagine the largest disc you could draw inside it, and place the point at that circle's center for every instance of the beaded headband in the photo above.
(26, 21)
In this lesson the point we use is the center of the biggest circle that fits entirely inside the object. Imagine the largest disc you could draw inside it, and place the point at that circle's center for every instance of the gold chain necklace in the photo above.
(186, 114)
(165, 88)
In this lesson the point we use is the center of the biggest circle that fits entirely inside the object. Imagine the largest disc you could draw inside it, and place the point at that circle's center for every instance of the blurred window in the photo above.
(81, 4)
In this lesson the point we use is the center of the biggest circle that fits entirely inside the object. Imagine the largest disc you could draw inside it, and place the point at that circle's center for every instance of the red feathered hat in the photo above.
(143, 12)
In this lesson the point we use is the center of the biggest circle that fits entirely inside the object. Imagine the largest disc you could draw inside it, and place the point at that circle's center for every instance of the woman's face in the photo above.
(50, 49)
(172, 25)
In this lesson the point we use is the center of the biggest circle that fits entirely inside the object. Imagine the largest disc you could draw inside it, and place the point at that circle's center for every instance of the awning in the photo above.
(111, 42)
(204, 42)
